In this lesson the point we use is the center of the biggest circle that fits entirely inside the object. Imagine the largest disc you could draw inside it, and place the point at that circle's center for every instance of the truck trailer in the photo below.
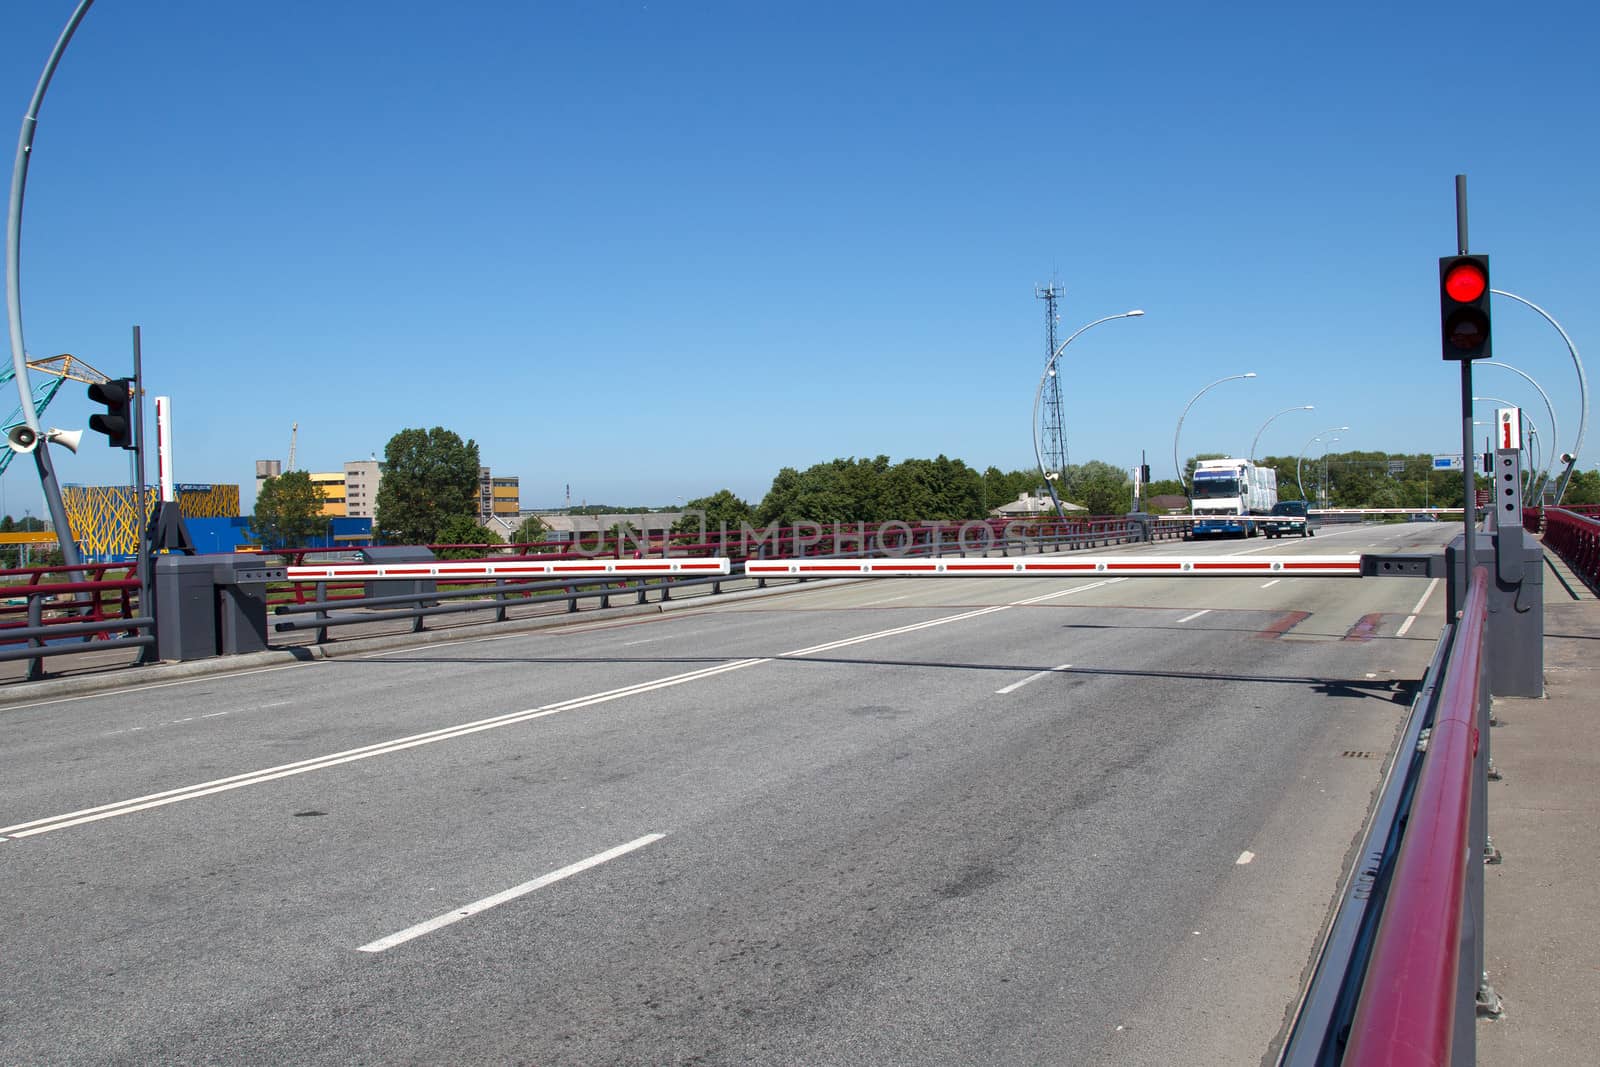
(1228, 496)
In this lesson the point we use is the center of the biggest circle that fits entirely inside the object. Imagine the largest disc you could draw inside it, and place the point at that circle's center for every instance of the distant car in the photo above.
(1290, 516)
(1421, 517)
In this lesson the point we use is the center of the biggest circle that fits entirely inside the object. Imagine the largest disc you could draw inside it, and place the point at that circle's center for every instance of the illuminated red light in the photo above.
(1465, 282)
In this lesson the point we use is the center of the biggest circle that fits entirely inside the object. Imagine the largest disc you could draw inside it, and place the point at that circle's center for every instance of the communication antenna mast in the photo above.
(294, 434)
(1052, 426)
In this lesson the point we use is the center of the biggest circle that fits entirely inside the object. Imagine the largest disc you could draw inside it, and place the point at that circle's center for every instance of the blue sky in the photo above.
(656, 249)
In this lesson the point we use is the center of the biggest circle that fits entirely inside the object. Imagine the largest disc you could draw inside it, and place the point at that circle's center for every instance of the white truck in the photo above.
(1228, 496)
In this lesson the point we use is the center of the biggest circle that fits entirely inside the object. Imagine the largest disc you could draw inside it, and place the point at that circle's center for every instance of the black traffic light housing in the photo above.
(116, 423)
(1464, 307)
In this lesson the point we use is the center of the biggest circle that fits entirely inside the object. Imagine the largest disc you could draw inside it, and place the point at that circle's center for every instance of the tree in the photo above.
(464, 530)
(429, 478)
(720, 508)
(532, 529)
(1098, 487)
(288, 510)
(1584, 488)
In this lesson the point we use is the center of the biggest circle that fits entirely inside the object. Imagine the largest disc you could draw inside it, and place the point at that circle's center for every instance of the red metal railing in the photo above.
(1410, 996)
(1575, 537)
(97, 598)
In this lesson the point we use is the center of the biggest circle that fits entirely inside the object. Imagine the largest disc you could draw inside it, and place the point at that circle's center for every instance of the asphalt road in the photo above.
(910, 821)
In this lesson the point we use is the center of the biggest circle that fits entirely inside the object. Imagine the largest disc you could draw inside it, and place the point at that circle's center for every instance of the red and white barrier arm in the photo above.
(1133, 566)
(525, 569)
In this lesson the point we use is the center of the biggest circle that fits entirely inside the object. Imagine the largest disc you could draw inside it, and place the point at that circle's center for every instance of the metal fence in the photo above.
(1575, 537)
(59, 611)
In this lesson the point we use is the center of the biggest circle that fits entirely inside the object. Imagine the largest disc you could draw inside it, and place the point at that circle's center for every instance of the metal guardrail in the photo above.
(40, 618)
(1397, 980)
(1575, 537)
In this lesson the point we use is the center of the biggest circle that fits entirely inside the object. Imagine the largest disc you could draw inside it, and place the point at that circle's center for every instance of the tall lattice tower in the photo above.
(1052, 428)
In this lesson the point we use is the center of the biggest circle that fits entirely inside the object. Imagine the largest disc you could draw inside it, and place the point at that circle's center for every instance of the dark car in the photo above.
(1290, 516)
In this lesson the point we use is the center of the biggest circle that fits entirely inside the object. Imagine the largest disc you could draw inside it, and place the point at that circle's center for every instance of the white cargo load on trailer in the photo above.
(1227, 494)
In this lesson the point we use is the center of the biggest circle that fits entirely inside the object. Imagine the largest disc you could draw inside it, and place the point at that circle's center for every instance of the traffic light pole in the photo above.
(141, 525)
(1469, 476)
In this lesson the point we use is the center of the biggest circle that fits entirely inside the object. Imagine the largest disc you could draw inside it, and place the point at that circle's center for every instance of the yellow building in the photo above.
(332, 485)
(498, 497)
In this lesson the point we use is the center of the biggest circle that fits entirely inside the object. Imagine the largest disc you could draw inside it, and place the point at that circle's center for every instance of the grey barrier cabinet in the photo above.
(398, 554)
(1516, 609)
(211, 605)
(186, 622)
(241, 590)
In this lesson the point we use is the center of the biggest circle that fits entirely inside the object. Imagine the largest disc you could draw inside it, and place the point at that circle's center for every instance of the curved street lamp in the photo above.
(19, 355)
(1301, 461)
(1264, 425)
(1583, 387)
(1049, 372)
(1555, 430)
(1186, 407)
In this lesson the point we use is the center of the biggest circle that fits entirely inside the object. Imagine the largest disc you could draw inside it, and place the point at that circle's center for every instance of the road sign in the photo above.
(1397, 466)
(1508, 434)
(1447, 463)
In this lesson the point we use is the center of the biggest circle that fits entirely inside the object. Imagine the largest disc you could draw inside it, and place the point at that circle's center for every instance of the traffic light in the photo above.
(116, 423)
(1464, 306)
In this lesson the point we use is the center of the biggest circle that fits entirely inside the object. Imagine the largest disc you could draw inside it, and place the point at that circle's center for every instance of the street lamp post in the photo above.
(19, 355)
(1264, 425)
(1298, 483)
(1049, 372)
(1555, 432)
(1176, 466)
(1583, 387)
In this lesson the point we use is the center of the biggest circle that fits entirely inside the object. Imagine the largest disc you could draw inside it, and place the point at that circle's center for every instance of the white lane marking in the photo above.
(1244, 857)
(1269, 547)
(1405, 626)
(1272, 583)
(468, 910)
(1014, 686)
(1064, 592)
(239, 781)
(1196, 615)
(662, 637)
(885, 600)
(831, 645)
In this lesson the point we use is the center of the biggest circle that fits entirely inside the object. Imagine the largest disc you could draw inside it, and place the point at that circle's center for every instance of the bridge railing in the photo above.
(1575, 537)
(56, 611)
(1397, 981)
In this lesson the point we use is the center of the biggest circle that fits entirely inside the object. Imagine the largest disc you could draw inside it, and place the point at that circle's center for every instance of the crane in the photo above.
(294, 433)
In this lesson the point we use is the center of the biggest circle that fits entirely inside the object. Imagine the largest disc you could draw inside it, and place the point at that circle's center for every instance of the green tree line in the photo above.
(429, 491)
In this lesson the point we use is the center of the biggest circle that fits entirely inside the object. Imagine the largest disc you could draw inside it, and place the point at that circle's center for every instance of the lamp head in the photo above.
(1135, 313)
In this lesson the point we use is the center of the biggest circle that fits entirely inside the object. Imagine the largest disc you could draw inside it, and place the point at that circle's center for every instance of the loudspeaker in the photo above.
(67, 439)
(22, 439)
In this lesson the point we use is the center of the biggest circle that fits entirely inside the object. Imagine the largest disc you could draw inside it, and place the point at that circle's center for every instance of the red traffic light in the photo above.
(1465, 282)
(1464, 307)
